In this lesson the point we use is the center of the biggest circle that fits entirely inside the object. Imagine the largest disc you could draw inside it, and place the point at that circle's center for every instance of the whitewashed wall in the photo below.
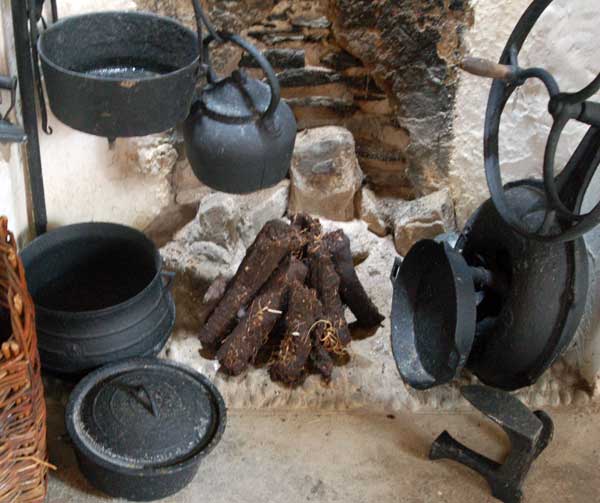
(85, 180)
(566, 43)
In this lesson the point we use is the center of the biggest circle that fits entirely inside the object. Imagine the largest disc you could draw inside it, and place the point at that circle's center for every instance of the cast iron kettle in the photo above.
(240, 136)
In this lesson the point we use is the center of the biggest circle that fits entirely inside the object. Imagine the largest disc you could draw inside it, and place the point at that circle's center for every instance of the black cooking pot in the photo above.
(142, 427)
(117, 74)
(100, 295)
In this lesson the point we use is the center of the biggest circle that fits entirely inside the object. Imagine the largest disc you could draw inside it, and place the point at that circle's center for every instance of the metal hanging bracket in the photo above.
(529, 434)
(9, 132)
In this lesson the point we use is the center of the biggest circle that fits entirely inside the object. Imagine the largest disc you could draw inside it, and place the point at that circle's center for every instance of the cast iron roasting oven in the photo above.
(512, 290)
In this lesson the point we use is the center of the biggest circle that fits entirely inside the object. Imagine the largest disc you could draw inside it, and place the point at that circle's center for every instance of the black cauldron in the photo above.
(100, 295)
(119, 74)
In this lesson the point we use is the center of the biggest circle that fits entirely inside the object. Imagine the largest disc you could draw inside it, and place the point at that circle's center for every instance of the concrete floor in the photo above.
(357, 457)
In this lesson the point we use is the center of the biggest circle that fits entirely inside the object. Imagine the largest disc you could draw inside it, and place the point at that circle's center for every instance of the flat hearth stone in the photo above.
(371, 379)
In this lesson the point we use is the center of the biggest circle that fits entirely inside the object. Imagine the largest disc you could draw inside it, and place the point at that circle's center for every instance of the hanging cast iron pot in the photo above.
(119, 74)
(240, 136)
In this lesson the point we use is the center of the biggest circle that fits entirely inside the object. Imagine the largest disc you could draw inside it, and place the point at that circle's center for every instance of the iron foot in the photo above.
(529, 434)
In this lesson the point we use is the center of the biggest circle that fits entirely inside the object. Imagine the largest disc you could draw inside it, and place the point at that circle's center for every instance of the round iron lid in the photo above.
(145, 414)
(433, 314)
(237, 98)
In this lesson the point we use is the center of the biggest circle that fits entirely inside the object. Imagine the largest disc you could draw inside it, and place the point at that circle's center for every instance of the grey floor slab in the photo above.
(358, 458)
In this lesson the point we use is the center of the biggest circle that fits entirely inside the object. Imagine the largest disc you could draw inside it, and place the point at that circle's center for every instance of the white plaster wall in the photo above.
(566, 43)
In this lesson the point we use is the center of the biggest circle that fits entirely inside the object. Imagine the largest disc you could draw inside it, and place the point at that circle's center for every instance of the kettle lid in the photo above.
(236, 99)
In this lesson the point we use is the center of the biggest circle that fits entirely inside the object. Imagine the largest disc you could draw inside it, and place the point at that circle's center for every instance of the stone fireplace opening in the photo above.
(386, 71)
(375, 89)
(389, 149)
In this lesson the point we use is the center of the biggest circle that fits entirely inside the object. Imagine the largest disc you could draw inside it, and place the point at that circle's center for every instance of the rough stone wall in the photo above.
(410, 48)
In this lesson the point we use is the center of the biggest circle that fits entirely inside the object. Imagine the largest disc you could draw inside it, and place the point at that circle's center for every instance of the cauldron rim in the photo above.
(149, 15)
(105, 310)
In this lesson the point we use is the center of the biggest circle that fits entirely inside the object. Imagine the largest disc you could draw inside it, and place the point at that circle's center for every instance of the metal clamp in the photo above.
(9, 132)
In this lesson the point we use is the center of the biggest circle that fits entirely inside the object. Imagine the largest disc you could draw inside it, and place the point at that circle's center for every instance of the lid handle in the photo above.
(143, 396)
(262, 61)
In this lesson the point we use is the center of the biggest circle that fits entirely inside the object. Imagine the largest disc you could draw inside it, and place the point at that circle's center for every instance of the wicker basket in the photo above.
(23, 465)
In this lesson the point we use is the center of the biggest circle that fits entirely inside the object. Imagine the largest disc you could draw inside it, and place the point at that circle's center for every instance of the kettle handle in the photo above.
(258, 56)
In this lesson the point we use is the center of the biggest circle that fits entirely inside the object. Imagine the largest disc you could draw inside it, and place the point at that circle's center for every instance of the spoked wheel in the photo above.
(563, 193)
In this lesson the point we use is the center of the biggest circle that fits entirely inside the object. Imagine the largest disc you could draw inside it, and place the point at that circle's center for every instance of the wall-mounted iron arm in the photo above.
(20, 17)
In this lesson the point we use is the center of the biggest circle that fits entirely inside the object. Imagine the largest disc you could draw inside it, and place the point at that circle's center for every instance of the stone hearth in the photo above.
(213, 244)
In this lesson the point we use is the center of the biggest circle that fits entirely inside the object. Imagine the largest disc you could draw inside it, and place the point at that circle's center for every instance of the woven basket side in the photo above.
(23, 452)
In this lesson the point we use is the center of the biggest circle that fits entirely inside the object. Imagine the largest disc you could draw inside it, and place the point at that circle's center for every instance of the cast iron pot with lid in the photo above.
(100, 295)
(240, 135)
(119, 74)
(141, 427)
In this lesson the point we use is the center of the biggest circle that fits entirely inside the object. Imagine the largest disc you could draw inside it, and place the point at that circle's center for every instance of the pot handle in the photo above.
(169, 278)
(54, 10)
(259, 58)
